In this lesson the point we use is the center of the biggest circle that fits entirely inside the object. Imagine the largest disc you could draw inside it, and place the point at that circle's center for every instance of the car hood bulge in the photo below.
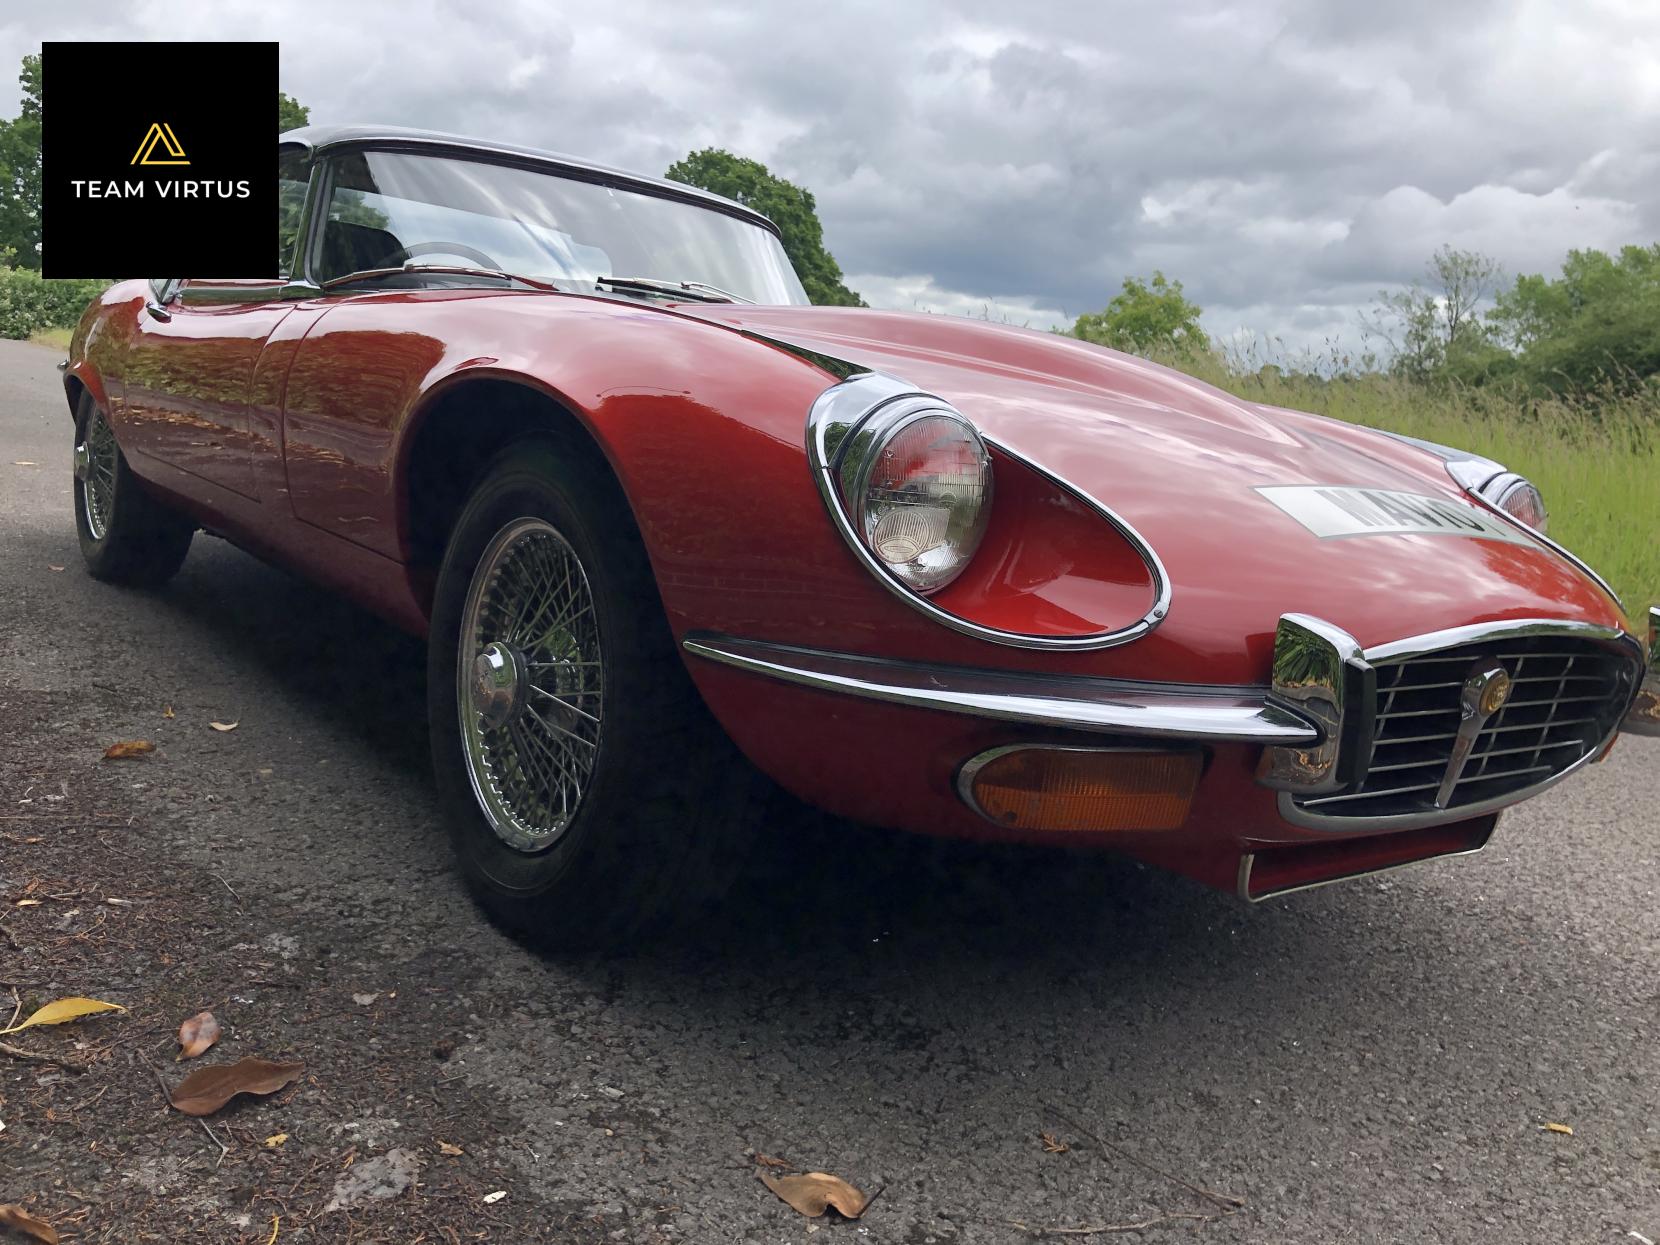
(1203, 476)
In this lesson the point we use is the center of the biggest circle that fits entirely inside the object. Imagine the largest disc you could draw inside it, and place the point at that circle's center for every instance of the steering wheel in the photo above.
(395, 258)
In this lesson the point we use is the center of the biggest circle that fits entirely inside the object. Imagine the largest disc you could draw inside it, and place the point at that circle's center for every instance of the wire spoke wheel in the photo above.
(530, 684)
(95, 466)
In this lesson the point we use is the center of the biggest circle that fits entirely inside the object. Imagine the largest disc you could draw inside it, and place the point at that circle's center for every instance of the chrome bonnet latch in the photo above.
(1320, 674)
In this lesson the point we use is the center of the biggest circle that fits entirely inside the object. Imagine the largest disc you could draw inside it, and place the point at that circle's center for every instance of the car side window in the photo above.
(293, 181)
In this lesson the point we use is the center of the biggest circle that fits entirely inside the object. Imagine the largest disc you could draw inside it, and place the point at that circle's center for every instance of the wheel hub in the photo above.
(499, 684)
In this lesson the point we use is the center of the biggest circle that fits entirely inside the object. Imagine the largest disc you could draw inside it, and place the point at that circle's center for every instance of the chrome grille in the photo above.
(1565, 699)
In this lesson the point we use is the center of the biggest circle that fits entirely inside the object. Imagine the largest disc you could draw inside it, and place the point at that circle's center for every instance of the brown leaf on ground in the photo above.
(197, 1034)
(275, 1140)
(224, 726)
(20, 1220)
(167, 711)
(1565, 1129)
(1053, 1144)
(454, 1152)
(766, 1160)
(58, 1011)
(815, 1192)
(205, 1090)
(128, 748)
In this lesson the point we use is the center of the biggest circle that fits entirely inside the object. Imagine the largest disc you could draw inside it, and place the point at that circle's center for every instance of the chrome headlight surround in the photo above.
(1492, 484)
(835, 423)
(923, 546)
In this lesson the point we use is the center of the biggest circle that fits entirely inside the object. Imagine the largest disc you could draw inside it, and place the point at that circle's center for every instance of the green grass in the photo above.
(1597, 464)
(54, 339)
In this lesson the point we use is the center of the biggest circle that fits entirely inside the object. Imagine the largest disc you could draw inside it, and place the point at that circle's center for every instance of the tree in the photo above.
(787, 205)
(1146, 316)
(1598, 324)
(1436, 329)
(291, 114)
(20, 173)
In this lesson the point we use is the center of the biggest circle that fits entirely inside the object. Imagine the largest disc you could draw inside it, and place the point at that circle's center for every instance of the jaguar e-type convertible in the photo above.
(582, 430)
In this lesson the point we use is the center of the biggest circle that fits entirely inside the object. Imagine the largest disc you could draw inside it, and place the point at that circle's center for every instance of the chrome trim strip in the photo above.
(1643, 718)
(1481, 633)
(1198, 713)
(1455, 637)
(970, 768)
(1248, 861)
(836, 416)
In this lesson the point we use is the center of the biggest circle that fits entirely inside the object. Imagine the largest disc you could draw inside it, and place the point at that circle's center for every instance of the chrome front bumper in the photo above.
(1644, 718)
(1314, 721)
(1107, 706)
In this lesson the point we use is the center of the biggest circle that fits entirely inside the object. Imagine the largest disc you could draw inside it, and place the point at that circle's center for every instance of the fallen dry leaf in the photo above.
(766, 1160)
(128, 748)
(167, 712)
(454, 1152)
(20, 1219)
(1053, 1144)
(205, 1090)
(1564, 1129)
(813, 1193)
(58, 1011)
(224, 726)
(27, 903)
(275, 1140)
(197, 1034)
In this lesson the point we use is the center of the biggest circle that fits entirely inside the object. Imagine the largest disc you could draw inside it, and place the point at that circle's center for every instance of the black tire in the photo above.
(658, 830)
(127, 536)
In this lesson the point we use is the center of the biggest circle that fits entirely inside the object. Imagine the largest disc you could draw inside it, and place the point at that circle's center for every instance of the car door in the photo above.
(193, 354)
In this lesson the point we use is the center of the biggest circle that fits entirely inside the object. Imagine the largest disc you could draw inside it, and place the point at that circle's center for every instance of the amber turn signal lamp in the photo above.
(1037, 788)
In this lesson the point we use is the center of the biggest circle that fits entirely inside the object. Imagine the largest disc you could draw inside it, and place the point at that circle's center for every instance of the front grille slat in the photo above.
(1566, 698)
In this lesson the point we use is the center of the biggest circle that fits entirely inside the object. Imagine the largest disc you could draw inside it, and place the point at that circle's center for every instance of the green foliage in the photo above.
(1146, 316)
(20, 172)
(787, 205)
(291, 114)
(1598, 324)
(1436, 329)
(29, 304)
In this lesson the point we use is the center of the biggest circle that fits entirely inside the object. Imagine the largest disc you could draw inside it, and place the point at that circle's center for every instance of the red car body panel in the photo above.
(289, 427)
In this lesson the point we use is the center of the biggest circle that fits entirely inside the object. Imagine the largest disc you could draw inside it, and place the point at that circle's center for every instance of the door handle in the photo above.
(158, 312)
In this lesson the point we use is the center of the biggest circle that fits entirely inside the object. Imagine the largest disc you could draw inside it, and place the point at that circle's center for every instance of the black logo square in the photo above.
(158, 159)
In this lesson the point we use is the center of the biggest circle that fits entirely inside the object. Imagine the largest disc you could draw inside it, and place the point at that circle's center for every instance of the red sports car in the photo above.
(582, 430)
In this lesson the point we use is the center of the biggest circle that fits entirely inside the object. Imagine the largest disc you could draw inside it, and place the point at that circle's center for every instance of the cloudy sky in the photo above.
(1284, 158)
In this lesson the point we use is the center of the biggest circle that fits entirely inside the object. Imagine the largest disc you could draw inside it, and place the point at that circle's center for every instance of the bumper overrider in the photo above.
(1386, 755)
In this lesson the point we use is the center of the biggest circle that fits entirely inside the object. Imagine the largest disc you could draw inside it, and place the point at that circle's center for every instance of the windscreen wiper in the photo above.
(701, 291)
(370, 274)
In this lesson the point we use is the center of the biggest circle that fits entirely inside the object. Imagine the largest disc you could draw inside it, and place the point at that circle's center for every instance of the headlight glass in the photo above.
(920, 497)
(1518, 498)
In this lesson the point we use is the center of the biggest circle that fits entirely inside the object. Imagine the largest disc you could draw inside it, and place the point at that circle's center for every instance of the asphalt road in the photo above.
(1371, 1062)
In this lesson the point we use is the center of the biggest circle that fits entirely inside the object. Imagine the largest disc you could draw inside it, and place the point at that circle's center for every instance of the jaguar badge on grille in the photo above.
(1486, 690)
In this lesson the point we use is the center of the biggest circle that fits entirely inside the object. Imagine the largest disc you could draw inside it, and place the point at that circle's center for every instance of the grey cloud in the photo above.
(1284, 158)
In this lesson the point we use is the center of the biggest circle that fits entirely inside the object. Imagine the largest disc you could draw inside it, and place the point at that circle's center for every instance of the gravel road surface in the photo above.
(1370, 1062)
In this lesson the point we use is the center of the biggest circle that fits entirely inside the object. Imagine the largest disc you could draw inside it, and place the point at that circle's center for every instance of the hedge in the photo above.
(29, 304)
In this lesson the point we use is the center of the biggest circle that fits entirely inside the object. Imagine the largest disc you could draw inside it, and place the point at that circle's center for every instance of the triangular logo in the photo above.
(162, 133)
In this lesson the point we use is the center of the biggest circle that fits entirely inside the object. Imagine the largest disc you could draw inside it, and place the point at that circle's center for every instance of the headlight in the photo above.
(917, 484)
(1518, 498)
